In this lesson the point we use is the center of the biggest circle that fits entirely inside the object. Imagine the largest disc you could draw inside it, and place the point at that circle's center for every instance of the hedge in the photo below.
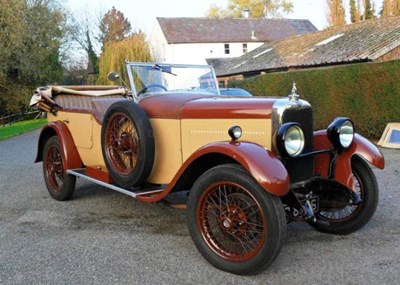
(369, 93)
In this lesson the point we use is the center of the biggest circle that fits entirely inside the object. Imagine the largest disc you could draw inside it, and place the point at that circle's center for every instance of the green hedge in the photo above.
(369, 93)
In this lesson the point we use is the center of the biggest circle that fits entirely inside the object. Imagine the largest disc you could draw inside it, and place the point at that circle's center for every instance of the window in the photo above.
(226, 48)
(244, 48)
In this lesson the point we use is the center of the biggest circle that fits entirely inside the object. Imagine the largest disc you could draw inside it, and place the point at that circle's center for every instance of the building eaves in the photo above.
(360, 42)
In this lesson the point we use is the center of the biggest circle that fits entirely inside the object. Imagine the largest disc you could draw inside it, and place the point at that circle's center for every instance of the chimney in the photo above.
(253, 36)
(246, 13)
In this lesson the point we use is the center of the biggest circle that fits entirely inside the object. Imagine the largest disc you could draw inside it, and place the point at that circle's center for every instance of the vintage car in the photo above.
(241, 167)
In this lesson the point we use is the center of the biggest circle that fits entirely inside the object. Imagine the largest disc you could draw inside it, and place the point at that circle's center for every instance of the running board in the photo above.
(81, 174)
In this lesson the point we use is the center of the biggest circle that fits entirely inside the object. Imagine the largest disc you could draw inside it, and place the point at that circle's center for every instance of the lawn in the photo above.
(20, 128)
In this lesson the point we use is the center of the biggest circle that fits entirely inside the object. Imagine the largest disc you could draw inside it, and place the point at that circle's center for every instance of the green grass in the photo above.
(20, 128)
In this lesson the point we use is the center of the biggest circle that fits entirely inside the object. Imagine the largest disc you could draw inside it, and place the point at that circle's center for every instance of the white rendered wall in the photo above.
(194, 53)
(197, 53)
(158, 43)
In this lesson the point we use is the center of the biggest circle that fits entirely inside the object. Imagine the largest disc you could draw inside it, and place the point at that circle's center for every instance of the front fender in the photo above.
(266, 169)
(70, 152)
(343, 171)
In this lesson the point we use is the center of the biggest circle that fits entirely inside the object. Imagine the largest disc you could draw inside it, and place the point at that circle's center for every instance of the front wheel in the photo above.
(235, 224)
(350, 218)
(60, 185)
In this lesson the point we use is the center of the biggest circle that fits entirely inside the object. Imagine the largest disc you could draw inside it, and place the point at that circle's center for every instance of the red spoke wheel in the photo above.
(127, 143)
(350, 218)
(235, 224)
(123, 144)
(60, 185)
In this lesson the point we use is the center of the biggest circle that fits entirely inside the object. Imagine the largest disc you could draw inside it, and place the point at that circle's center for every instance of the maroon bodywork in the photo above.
(70, 153)
(343, 171)
(268, 171)
(194, 106)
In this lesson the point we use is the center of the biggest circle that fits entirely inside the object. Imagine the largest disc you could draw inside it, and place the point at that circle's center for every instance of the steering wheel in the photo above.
(151, 86)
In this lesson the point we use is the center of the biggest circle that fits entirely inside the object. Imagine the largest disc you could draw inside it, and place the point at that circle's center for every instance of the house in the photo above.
(192, 40)
(373, 40)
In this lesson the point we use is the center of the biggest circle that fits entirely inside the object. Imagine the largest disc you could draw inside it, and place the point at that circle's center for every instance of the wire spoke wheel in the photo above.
(122, 143)
(346, 218)
(346, 212)
(232, 222)
(54, 169)
(60, 185)
(127, 143)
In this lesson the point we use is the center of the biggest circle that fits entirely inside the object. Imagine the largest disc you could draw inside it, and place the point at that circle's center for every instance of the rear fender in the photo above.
(70, 152)
(343, 171)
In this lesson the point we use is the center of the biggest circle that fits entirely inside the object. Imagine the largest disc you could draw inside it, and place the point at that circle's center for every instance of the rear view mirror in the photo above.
(113, 76)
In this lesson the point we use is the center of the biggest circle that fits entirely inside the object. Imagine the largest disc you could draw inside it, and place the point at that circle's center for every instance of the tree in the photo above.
(354, 12)
(45, 25)
(390, 8)
(133, 48)
(362, 10)
(114, 27)
(31, 34)
(258, 9)
(84, 35)
(93, 60)
(336, 16)
(369, 10)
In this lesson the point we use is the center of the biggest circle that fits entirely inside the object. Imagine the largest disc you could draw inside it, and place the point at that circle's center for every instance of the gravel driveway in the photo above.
(103, 237)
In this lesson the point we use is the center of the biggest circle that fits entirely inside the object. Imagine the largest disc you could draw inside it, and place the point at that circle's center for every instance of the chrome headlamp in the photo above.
(290, 140)
(341, 133)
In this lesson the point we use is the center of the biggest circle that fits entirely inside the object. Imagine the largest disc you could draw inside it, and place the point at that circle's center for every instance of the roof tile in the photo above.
(363, 41)
(210, 30)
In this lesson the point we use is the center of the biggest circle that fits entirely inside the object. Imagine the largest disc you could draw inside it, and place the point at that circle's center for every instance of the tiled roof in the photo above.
(209, 30)
(218, 62)
(363, 41)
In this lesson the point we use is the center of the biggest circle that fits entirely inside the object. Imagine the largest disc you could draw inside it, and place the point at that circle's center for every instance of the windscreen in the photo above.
(158, 78)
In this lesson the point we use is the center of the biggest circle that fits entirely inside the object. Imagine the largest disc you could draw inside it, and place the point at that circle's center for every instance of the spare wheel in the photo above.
(127, 143)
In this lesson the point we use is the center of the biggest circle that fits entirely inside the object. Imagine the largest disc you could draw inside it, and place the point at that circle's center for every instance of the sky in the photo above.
(142, 13)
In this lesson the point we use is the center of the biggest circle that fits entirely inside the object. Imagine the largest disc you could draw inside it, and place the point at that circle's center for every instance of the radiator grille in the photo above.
(301, 169)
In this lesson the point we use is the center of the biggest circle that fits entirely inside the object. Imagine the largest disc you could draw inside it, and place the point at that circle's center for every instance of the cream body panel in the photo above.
(199, 132)
(86, 132)
(168, 154)
(175, 140)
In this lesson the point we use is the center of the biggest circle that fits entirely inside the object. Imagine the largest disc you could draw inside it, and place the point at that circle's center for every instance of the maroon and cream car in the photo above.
(242, 167)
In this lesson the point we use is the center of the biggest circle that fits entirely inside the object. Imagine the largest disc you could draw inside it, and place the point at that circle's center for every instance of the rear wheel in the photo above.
(60, 185)
(235, 224)
(350, 218)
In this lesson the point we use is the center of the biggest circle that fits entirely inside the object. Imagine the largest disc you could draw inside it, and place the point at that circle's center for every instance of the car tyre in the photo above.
(127, 144)
(352, 218)
(235, 224)
(60, 185)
